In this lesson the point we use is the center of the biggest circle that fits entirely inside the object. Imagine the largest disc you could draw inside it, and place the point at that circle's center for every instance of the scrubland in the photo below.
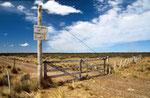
(127, 80)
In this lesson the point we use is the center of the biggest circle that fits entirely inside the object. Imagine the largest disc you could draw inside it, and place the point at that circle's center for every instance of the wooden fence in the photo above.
(124, 62)
(105, 69)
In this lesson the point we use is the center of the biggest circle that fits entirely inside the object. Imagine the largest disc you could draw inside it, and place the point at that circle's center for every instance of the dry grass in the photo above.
(25, 84)
(58, 94)
(74, 85)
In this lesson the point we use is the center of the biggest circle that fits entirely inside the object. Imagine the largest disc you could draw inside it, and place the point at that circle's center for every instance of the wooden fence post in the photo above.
(39, 49)
(115, 65)
(125, 61)
(14, 62)
(80, 69)
(108, 66)
(133, 59)
(9, 82)
(120, 64)
(104, 65)
(45, 70)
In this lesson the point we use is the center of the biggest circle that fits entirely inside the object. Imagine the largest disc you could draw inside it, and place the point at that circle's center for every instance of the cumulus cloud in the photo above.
(54, 7)
(7, 4)
(21, 7)
(113, 27)
(31, 17)
(51, 29)
(24, 45)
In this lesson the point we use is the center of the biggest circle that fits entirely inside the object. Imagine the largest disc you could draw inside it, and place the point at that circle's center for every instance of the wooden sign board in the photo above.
(40, 32)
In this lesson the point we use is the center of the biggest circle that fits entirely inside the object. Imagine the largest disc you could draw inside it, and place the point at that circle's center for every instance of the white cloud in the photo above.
(30, 16)
(24, 45)
(51, 29)
(54, 7)
(113, 27)
(21, 7)
(34, 7)
(38, 2)
(7, 4)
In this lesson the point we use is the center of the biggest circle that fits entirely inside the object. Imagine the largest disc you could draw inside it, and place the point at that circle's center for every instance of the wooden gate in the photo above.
(82, 64)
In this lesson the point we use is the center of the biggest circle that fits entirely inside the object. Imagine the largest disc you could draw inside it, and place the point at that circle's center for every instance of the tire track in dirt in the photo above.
(27, 67)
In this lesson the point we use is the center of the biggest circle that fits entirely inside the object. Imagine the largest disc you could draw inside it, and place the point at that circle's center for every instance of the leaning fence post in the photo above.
(80, 69)
(45, 70)
(9, 82)
(14, 62)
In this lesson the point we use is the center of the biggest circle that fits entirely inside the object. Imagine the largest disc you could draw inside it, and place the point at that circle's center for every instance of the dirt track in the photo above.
(114, 85)
(27, 67)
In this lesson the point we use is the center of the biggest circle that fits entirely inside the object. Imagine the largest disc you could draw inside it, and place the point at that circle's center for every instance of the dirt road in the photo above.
(27, 67)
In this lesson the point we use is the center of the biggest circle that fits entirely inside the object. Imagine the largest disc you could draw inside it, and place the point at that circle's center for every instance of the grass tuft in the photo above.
(58, 94)
(14, 70)
(27, 85)
(3, 80)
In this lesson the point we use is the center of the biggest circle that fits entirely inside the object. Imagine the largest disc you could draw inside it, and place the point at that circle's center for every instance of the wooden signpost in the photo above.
(40, 33)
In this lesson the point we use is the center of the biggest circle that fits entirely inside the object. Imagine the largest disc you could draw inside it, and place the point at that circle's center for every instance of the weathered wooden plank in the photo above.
(92, 66)
(68, 68)
(70, 80)
(60, 75)
(67, 61)
(92, 70)
(71, 68)
(63, 71)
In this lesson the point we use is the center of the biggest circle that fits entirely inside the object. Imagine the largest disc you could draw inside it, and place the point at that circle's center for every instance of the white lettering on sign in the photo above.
(40, 32)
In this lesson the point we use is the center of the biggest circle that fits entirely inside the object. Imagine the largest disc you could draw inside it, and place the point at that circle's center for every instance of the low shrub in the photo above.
(9, 67)
(27, 85)
(14, 70)
(3, 80)
(25, 77)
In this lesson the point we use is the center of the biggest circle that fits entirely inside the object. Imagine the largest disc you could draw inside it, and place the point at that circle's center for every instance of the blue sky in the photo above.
(104, 25)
